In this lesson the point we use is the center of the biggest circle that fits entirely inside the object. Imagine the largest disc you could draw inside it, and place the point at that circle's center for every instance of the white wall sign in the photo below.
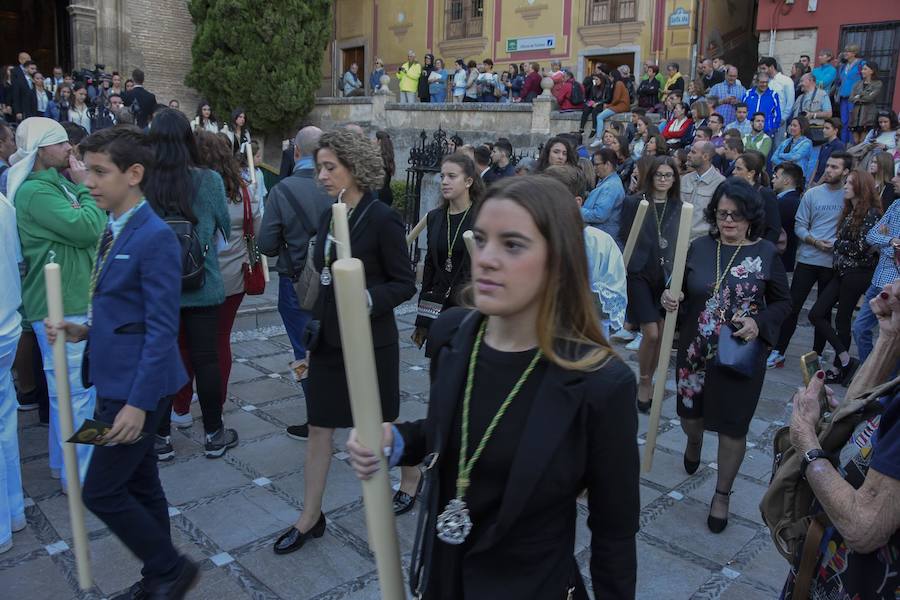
(679, 18)
(540, 42)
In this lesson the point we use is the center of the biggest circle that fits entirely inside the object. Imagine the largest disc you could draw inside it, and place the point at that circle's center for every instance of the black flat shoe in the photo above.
(292, 539)
(715, 524)
(177, 588)
(849, 371)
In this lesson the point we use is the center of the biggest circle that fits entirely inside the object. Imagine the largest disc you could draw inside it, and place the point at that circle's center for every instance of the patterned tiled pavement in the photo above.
(227, 513)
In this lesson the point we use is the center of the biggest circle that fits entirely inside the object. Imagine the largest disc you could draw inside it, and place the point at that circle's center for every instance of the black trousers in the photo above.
(590, 112)
(845, 291)
(197, 339)
(805, 277)
(122, 488)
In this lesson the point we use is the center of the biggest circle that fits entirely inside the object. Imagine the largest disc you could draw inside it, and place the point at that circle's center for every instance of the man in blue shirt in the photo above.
(825, 73)
(729, 93)
(603, 207)
(741, 122)
(764, 100)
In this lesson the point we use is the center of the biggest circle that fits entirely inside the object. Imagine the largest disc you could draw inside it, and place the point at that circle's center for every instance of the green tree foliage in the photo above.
(265, 57)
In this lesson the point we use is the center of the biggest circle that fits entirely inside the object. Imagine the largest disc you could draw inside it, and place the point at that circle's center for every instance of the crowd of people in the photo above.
(159, 233)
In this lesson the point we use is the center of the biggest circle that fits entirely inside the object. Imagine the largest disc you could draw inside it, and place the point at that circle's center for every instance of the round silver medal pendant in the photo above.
(448, 266)
(663, 243)
(325, 277)
(454, 524)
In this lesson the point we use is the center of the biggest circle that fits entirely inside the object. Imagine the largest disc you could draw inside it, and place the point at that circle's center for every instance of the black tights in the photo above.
(845, 291)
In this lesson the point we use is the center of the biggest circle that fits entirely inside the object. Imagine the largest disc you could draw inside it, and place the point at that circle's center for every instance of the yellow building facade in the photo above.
(578, 33)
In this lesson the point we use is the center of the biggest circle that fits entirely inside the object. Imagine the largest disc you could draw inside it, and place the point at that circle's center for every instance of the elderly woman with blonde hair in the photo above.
(349, 167)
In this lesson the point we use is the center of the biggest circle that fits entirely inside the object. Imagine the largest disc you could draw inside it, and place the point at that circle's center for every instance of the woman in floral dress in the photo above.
(733, 278)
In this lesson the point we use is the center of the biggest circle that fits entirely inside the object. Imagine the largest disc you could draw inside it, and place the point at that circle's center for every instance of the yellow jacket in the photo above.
(409, 76)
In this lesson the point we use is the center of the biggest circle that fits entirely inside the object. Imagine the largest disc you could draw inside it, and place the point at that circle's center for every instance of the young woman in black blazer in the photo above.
(349, 165)
(446, 271)
(529, 407)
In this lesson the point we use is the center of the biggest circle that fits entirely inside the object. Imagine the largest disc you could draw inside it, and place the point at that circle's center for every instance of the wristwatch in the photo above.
(809, 456)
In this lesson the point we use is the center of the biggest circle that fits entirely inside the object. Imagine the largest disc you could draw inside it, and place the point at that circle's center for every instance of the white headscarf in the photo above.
(34, 133)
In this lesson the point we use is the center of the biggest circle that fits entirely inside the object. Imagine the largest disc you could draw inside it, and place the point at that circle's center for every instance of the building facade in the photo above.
(153, 35)
(789, 29)
(578, 33)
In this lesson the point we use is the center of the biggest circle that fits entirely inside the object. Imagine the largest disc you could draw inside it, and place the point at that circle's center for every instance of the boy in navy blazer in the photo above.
(132, 358)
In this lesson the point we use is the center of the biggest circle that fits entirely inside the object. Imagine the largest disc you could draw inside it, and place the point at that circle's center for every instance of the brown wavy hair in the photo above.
(863, 185)
(568, 330)
(214, 152)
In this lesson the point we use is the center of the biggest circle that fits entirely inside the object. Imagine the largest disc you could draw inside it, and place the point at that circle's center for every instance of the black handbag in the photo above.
(734, 355)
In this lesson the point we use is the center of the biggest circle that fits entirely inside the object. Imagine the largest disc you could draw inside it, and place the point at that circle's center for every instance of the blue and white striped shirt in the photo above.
(887, 271)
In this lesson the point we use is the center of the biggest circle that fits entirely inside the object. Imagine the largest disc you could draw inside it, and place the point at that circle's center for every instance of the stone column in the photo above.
(379, 117)
(540, 114)
(84, 33)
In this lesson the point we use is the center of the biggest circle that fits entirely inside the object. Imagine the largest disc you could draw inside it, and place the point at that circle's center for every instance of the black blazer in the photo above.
(378, 240)
(146, 104)
(773, 214)
(581, 433)
(434, 277)
(787, 208)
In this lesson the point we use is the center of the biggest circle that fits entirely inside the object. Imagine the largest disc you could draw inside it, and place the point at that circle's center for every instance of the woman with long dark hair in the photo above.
(214, 153)
(178, 189)
(236, 130)
(796, 147)
(529, 406)
(854, 264)
(557, 151)
(386, 147)
(205, 120)
(735, 286)
(651, 263)
(349, 167)
(446, 271)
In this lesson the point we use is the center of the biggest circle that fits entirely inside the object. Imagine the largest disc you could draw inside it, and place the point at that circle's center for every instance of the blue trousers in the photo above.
(865, 323)
(12, 501)
(294, 318)
(83, 400)
(604, 114)
(846, 109)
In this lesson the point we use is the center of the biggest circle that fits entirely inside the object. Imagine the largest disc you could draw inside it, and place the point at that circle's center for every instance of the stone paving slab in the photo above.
(226, 516)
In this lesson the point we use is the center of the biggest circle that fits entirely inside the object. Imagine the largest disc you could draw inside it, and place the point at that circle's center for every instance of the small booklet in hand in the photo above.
(92, 432)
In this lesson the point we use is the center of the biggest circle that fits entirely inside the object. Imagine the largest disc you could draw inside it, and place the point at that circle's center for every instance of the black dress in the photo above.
(437, 282)
(651, 265)
(377, 239)
(754, 284)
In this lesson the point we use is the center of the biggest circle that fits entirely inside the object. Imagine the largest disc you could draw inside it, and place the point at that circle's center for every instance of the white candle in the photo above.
(341, 228)
(53, 282)
(365, 404)
(634, 233)
(469, 239)
(250, 164)
(662, 367)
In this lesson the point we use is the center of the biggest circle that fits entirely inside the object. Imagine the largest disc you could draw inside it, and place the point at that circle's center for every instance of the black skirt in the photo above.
(328, 401)
(644, 300)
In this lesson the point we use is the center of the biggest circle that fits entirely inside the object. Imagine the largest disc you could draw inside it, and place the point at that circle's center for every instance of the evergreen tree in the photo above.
(265, 57)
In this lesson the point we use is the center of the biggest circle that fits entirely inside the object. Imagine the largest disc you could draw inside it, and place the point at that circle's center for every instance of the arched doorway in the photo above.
(39, 27)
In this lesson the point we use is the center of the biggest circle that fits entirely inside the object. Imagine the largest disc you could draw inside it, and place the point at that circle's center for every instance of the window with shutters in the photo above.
(601, 12)
(464, 19)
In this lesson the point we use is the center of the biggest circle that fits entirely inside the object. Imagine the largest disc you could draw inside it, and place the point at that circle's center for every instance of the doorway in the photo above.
(612, 61)
(356, 54)
(39, 28)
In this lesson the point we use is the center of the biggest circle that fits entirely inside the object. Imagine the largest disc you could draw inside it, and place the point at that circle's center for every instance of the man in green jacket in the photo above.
(58, 221)
(409, 74)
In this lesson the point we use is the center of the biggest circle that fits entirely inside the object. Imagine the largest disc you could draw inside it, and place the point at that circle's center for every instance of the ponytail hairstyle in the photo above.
(476, 190)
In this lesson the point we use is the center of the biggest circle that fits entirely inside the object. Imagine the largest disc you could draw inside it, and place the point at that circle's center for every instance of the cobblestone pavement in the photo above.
(227, 513)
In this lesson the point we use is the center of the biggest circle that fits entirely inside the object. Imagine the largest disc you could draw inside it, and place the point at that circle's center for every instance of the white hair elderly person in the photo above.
(58, 221)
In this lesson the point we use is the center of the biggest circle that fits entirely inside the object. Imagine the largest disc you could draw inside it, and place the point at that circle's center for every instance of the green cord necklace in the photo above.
(454, 524)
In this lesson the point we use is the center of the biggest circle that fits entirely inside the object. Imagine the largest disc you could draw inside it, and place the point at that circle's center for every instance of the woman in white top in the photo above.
(459, 80)
(205, 119)
(79, 112)
(258, 191)
(884, 134)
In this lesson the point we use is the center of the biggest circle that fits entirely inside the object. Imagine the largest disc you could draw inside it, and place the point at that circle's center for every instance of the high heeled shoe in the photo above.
(691, 466)
(293, 539)
(715, 524)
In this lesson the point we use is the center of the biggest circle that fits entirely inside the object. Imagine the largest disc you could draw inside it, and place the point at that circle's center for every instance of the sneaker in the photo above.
(298, 432)
(217, 443)
(55, 473)
(185, 421)
(163, 447)
(775, 360)
(623, 335)
(195, 398)
(596, 144)
(635, 343)
(6, 546)
(27, 404)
